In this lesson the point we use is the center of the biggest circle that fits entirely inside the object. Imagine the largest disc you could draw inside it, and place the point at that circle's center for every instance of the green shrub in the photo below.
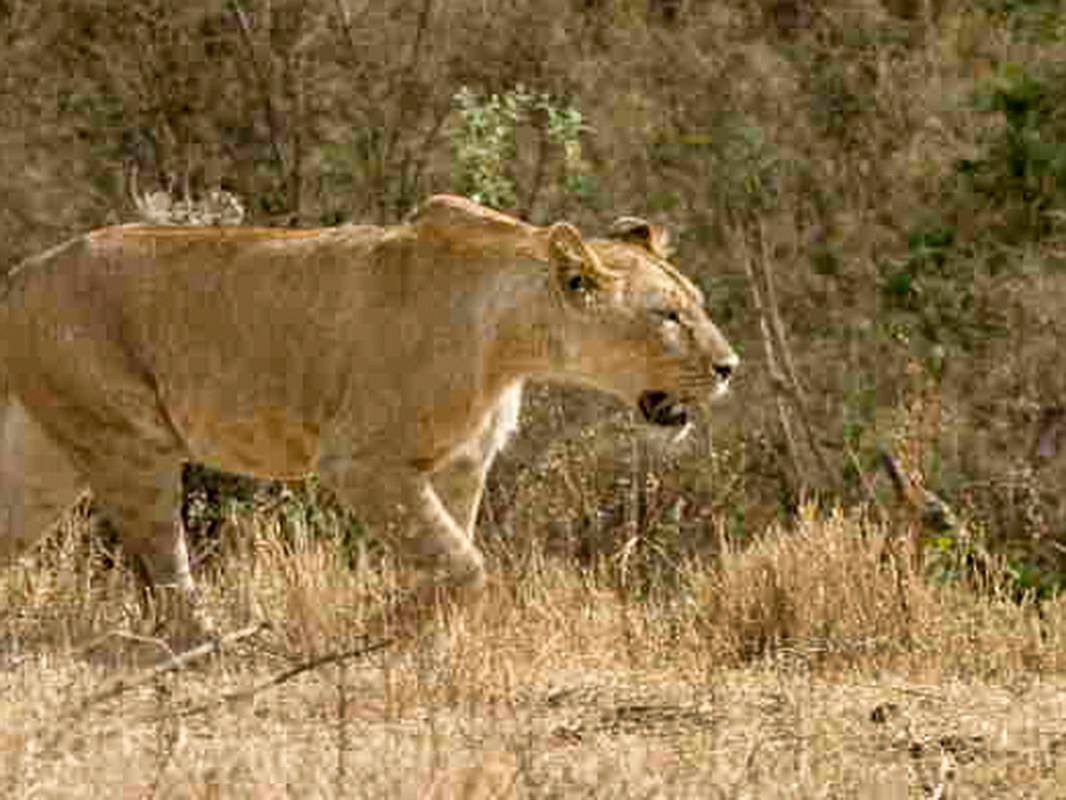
(1024, 168)
(485, 142)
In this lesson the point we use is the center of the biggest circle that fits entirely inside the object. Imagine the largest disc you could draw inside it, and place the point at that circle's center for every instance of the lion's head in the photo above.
(633, 324)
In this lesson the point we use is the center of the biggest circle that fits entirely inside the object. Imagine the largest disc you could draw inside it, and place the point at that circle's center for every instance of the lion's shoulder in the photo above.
(464, 225)
(452, 210)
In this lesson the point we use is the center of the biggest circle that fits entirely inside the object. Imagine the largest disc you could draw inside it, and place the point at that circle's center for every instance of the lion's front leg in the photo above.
(400, 505)
(460, 483)
(460, 486)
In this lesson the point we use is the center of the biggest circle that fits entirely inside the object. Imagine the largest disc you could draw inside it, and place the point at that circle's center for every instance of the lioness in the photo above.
(389, 360)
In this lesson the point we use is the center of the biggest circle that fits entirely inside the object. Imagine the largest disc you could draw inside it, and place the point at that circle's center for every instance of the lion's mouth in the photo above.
(663, 408)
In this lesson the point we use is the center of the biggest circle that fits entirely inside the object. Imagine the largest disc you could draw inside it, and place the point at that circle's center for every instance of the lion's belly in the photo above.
(268, 443)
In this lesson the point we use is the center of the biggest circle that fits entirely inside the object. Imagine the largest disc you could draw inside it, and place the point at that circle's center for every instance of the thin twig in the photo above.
(777, 329)
(867, 488)
(176, 662)
(783, 373)
(539, 172)
(263, 84)
(343, 734)
(412, 175)
(345, 18)
(231, 698)
(900, 482)
(56, 730)
(294, 85)
(777, 380)
(405, 94)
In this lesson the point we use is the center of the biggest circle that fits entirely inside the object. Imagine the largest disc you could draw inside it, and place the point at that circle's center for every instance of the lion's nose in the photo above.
(724, 369)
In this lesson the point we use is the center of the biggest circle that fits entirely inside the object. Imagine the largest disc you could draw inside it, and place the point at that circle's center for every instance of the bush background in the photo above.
(897, 168)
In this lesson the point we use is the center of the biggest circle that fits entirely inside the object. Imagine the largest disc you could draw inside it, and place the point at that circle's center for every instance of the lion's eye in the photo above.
(670, 315)
(578, 283)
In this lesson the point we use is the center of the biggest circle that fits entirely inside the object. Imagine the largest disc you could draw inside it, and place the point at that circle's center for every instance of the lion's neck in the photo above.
(523, 327)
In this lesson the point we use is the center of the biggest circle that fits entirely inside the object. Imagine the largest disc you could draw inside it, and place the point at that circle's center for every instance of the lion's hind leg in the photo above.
(38, 481)
(143, 506)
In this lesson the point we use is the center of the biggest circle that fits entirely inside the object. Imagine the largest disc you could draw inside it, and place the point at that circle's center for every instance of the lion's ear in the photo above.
(577, 267)
(638, 231)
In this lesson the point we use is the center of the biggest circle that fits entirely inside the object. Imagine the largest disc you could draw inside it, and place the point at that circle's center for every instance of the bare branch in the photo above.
(346, 22)
(175, 663)
(231, 698)
(405, 89)
(263, 85)
(777, 380)
(116, 688)
(779, 355)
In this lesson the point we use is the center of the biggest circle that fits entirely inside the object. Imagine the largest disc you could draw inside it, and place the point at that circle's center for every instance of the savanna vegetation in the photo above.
(873, 195)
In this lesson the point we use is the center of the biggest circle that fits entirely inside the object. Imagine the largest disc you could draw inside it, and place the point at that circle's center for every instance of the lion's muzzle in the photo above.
(670, 409)
(663, 408)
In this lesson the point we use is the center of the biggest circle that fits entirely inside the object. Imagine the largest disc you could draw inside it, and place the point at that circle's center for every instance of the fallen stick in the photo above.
(177, 662)
(282, 677)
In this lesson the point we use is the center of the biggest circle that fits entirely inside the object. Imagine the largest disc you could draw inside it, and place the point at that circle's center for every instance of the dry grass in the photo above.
(813, 663)
(843, 145)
